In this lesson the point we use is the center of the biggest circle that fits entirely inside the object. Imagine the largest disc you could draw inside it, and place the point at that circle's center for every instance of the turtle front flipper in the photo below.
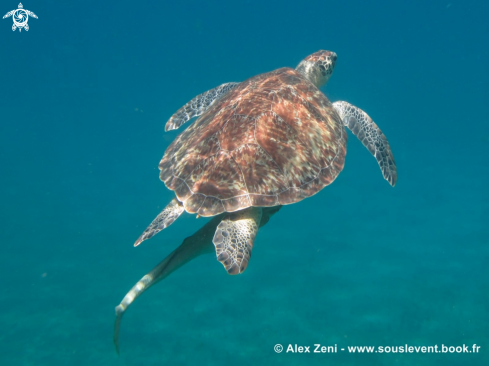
(234, 238)
(166, 217)
(9, 14)
(197, 106)
(31, 14)
(371, 137)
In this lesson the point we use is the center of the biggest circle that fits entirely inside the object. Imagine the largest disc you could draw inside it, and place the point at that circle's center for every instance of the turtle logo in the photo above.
(20, 17)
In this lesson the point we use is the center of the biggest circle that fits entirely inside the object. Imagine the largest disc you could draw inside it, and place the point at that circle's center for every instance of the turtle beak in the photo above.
(333, 56)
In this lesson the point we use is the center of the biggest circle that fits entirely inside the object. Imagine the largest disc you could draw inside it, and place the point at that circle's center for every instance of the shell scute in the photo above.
(221, 180)
(315, 129)
(261, 174)
(236, 203)
(281, 142)
(239, 130)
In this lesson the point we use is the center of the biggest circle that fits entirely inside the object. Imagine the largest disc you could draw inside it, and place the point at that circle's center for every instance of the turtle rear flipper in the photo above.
(165, 218)
(197, 106)
(371, 137)
(192, 247)
(234, 239)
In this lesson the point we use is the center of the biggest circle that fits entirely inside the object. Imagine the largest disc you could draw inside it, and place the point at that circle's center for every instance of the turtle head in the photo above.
(318, 67)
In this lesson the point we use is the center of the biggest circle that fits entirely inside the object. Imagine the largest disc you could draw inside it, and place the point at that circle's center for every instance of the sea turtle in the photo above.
(20, 17)
(268, 141)
(271, 140)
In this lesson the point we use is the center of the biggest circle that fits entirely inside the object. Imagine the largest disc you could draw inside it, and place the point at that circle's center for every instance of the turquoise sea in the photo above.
(84, 97)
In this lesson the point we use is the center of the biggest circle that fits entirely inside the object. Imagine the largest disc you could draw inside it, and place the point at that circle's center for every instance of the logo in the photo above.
(20, 17)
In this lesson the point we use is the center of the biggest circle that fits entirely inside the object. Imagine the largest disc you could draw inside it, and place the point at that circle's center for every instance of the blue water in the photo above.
(84, 97)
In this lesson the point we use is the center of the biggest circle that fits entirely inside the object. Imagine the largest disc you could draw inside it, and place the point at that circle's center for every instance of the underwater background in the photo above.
(84, 97)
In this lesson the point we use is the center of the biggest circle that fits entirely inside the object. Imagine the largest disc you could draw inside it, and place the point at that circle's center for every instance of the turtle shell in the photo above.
(273, 140)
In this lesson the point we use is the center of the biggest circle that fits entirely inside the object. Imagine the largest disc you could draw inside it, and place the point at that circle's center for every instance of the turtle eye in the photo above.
(323, 69)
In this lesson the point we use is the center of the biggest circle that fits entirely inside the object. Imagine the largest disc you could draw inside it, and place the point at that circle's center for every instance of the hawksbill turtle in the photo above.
(272, 140)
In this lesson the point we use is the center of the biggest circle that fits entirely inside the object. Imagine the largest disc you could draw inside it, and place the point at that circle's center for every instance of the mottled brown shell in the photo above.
(273, 140)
